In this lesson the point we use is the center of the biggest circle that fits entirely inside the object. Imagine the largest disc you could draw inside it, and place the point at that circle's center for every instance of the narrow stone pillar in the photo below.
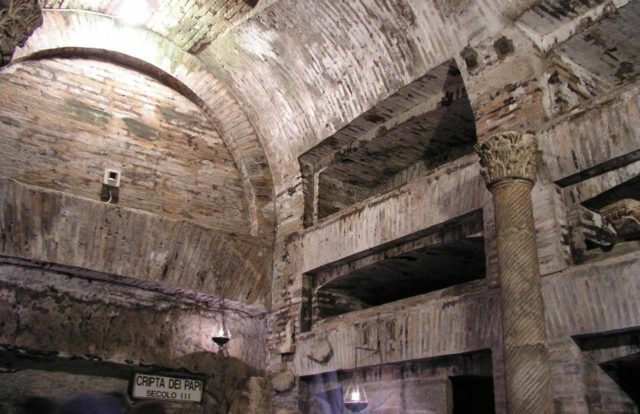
(509, 168)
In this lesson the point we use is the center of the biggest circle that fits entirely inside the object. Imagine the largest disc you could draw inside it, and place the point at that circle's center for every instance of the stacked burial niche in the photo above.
(600, 64)
(447, 255)
(611, 361)
(420, 127)
(405, 137)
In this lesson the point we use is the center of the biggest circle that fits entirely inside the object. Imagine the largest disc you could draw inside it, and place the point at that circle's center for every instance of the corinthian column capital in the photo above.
(508, 155)
(18, 20)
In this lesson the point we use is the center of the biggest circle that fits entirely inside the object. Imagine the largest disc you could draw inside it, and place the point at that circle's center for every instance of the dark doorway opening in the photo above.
(473, 394)
(626, 373)
(612, 355)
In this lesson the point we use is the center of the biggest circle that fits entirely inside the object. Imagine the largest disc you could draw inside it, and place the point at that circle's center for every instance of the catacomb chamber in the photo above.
(420, 127)
(449, 255)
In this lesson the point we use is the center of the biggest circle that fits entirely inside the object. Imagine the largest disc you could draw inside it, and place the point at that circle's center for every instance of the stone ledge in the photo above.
(54, 227)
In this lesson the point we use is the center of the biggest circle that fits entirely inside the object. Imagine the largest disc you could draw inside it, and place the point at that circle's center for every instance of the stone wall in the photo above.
(419, 387)
(91, 335)
(94, 291)
(56, 227)
(466, 320)
(421, 204)
(80, 34)
(303, 70)
(510, 86)
(452, 321)
(64, 121)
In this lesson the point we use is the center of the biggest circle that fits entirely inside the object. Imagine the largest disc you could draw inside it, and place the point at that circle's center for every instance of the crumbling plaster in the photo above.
(73, 326)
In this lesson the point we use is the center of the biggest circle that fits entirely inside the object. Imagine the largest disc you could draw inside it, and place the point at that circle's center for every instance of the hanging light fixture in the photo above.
(355, 399)
(222, 336)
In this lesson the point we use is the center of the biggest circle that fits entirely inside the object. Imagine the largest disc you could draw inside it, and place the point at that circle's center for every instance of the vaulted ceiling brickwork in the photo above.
(313, 172)
(190, 24)
(172, 159)
(279, 77)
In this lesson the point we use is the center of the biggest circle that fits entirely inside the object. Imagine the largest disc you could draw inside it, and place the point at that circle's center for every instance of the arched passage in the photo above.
(69, 33)
(170, 226)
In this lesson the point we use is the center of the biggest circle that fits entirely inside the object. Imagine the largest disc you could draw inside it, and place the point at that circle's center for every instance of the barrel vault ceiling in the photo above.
(303, 69)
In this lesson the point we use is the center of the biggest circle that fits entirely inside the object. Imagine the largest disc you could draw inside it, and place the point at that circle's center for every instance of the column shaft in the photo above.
(523, 320)
(509, 167)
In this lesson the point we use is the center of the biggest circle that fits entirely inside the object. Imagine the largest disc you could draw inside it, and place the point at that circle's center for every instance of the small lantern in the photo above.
(222, 336)
(355, 399)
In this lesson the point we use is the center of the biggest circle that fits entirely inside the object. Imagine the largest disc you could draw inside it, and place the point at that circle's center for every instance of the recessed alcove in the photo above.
(607, 219)
(422, 126)
(472, 394)
(612, 362)
(448, 255)
(416, 272)
(626, 190)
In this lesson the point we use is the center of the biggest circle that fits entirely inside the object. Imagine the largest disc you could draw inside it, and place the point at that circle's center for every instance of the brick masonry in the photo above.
(173, 161)
(50, 226)
(302, 70)
(79, 34)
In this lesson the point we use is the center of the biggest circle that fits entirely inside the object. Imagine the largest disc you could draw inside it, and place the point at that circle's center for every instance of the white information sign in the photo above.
(157, 387)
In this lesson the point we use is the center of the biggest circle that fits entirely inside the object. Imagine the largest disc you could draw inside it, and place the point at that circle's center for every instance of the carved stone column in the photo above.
(18, 20)
(509, 168)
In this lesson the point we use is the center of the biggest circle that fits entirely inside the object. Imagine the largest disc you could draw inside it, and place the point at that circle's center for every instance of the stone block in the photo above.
(321, 351)
(284, 381)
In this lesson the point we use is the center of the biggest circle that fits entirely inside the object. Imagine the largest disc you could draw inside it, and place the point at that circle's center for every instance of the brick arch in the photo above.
(304, 80)
(84, 34)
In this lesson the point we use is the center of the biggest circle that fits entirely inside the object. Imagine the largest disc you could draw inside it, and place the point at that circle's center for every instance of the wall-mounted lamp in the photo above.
(111, 177)
(110, 192)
